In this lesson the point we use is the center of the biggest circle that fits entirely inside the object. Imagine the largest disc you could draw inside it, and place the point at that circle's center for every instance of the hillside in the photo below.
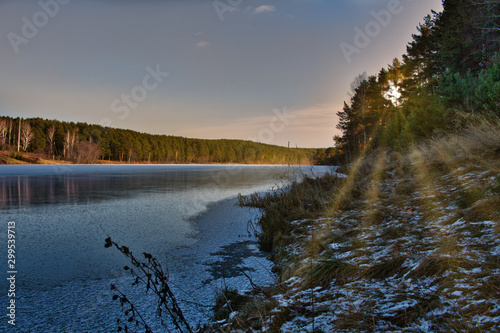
(406, 242)
(44, 140)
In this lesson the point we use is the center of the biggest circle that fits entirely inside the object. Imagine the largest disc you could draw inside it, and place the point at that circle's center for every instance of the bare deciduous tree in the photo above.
(3, 131)
(9, 141)
(69, 144)
(26, 135)
(67, 140)
(87, 152)
(19, 136)
(51, 131)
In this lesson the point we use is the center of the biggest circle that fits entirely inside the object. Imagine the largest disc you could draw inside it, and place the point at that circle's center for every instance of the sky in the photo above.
(269, 71)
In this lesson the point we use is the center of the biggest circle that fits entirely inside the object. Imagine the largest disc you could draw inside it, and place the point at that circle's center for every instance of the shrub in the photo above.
(227, 301)
(87, 152)
(17, 156)
(298, 201)
(150, 274)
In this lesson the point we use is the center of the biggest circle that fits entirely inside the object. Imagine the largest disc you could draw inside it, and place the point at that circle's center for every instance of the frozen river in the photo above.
(182, 214)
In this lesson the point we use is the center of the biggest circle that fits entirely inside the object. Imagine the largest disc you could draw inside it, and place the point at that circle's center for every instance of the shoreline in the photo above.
(41, 159)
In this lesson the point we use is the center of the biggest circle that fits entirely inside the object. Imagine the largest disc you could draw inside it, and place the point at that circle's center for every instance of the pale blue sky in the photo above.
(225, 77)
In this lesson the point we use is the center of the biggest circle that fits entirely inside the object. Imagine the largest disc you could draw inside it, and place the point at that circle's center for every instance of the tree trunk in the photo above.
(19, 136)
(10, 132)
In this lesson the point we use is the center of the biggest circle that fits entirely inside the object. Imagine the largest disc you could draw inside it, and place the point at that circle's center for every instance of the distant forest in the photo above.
(84, 143)
(449, 76)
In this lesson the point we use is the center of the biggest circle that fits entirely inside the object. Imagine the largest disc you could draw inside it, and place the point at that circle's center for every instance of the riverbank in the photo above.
(15, 158)
(408, 241)
(10, 157)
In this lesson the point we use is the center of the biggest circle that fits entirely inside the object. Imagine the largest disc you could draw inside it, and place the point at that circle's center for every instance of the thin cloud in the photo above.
(264, 9)
(311, 127)
(202, 44)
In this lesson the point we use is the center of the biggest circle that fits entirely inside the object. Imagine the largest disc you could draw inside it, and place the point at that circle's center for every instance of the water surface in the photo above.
(182, 214)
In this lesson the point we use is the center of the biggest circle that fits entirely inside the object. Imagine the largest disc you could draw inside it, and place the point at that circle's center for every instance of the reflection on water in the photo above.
(67, 216)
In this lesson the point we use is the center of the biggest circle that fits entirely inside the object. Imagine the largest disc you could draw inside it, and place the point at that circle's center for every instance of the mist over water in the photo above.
(183, 215)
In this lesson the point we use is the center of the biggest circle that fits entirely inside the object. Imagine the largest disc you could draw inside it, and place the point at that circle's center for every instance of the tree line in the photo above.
(451, 70)
(84, 143)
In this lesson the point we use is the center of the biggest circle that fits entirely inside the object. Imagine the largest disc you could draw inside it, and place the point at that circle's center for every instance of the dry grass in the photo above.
(325, 271)
(388, 268)
(415, 218)
(436, 266)
(228, 300)
(357, 318)
(351, 187)
(478, 144)
(372, 213)
(305, 200)
(406, 316)
(468, 197)
(490, 279)
(484, 210)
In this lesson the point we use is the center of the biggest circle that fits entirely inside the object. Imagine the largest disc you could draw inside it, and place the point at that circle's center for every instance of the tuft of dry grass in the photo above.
(388, 268)
(461, 321)
(484, 210)
(489, 286)
(324, 271)
(394, 232)
(468, 197)
(372, 212)
(404, 317)
(436, 266)
(479, 143)
(228, 300)
(358, 318)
